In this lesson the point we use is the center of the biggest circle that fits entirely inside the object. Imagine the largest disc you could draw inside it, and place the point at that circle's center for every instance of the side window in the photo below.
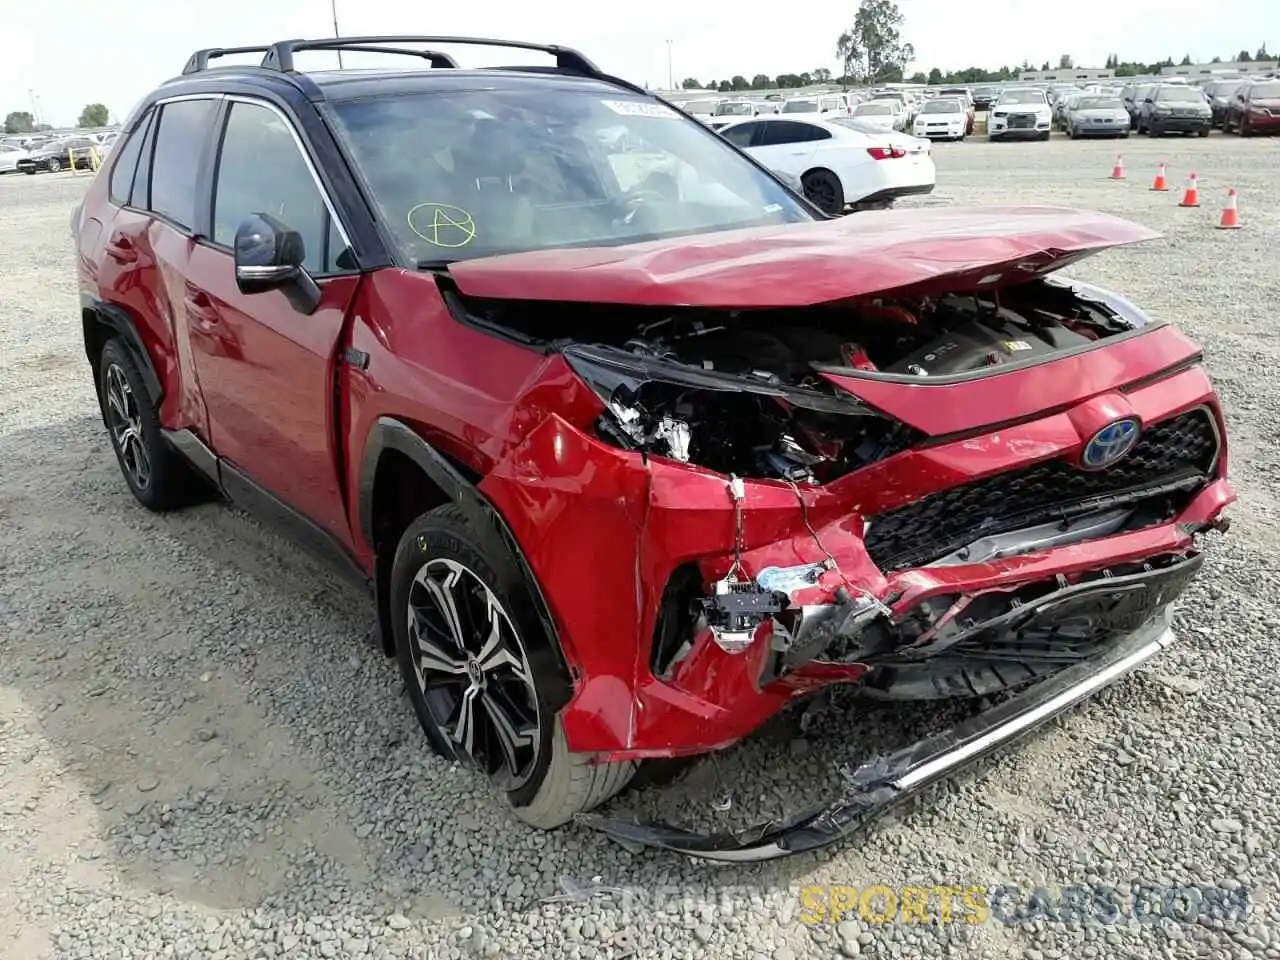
(261, 170)
(180, 140)
(789, 131)
(740, 135)
(126, 161)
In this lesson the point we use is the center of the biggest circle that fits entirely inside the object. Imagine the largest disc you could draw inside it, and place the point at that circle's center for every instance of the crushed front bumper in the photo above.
(881, 783)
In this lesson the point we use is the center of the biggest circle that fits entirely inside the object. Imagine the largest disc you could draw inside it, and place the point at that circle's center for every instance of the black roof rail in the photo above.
(199, 60)
(437, 58)
(279, 56)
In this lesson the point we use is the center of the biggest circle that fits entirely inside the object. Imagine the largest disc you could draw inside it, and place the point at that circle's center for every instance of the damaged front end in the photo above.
(909, 494)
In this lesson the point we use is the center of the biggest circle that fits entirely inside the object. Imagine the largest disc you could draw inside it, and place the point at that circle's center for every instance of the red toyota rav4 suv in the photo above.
(633, 446)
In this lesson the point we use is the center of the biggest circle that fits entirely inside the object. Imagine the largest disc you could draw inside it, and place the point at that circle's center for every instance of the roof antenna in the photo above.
(333, 6)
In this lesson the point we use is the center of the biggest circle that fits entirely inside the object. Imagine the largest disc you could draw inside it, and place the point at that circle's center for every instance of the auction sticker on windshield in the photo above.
(640, 108)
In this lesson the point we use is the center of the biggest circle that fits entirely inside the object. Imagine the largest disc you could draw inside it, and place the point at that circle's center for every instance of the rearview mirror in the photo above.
(269, 256)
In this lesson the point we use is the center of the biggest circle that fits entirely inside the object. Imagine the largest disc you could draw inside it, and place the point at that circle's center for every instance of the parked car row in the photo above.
(82, 153)
(38, 153)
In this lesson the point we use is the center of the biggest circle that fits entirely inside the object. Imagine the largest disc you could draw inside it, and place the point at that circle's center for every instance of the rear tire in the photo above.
(157, 475)
(479, 679)
(825, 191)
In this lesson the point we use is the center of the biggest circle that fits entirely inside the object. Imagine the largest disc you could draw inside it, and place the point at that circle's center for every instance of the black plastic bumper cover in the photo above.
(879, 784)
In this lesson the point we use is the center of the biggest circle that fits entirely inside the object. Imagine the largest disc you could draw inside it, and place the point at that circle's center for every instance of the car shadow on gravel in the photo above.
(229, 730)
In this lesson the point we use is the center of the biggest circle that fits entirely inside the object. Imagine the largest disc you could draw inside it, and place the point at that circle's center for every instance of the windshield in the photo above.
(942, 106)
(734, 110)
(873, 109)
(469, 174)
(800, 106)
(1100, 103)
(1180, 95)
(862, 126)
(699, 106)
(1021, 96)
(1265, 91)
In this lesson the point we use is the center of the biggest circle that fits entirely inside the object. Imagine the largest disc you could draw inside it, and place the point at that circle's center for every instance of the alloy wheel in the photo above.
(125, 423)
(473, 673)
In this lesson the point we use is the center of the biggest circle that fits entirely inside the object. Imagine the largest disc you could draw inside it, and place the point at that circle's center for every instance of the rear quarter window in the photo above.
(126, 162)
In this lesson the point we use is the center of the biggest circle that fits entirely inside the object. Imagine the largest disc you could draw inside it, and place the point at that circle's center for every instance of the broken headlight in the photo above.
(752, 425)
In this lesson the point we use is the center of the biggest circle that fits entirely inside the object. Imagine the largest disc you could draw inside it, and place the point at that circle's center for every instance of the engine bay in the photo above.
(950, 335)
(742, 391)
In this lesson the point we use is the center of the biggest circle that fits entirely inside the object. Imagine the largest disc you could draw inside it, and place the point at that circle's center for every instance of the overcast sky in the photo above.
(71, 52)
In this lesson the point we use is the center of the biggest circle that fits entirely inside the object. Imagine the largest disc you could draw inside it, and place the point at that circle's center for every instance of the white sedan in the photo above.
(885, 114)
(944, 117)
(837, 161)
(9, 157)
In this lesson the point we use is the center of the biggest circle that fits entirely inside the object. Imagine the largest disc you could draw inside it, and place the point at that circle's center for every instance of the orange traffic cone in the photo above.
(1230, 217)
(1160, 182)
(1192, 197)
(1117, 172)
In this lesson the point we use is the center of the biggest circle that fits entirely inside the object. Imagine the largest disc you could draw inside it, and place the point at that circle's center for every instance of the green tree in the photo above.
(689, 83)
(872, 49)
(95, 115)
(1243, 57)
(1045, 66)
(1262, 53)
(739, 82)
(821, 75)
(19, 122)
(724, 86)
(760, 82)
(1186, 60)
(1216, 59)
(1065, 62)
(920, 77)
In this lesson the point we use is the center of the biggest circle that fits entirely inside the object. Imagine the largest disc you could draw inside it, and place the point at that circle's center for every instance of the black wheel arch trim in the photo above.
(121, 324)
(389, 433)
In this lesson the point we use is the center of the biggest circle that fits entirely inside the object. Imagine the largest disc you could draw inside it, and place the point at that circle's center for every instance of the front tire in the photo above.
(157, 476)
(479, 679)
(53, 164)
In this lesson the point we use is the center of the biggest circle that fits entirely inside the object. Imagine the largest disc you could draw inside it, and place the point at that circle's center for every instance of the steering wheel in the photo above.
(634, 201)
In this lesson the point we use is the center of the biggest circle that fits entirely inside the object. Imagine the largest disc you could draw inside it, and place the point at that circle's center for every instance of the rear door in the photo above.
(141, 246)
(267, 372)
(787, 145)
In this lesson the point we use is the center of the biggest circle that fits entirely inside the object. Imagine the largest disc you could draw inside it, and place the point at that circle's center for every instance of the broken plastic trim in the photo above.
(606, 369)
(882, 783)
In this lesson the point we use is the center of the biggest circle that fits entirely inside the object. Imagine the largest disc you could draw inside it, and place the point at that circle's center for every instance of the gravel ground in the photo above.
(202, 752)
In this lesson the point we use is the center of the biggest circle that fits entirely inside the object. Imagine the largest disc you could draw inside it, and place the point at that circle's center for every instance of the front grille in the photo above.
(1022, 120)
(1174, 456)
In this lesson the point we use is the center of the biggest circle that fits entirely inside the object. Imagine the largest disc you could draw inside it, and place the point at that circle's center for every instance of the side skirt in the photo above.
(267, 507)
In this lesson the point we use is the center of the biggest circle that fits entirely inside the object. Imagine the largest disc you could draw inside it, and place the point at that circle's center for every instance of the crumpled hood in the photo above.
(904, 252)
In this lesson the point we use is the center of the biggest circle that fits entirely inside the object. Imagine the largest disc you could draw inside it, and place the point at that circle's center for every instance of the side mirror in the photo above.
(269, 256)
(1148, 100)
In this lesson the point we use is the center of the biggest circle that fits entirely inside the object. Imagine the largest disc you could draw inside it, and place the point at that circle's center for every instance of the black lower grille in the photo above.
(1174, 456)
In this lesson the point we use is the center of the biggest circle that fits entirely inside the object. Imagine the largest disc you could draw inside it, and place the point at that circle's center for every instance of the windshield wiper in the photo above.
(440, 263)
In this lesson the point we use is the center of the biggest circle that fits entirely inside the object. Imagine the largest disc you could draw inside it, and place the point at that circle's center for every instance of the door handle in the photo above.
(121, 250)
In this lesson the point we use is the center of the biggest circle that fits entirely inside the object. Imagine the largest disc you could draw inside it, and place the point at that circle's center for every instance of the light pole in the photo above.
(35, 107)
(333, 7)
(671, 78)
